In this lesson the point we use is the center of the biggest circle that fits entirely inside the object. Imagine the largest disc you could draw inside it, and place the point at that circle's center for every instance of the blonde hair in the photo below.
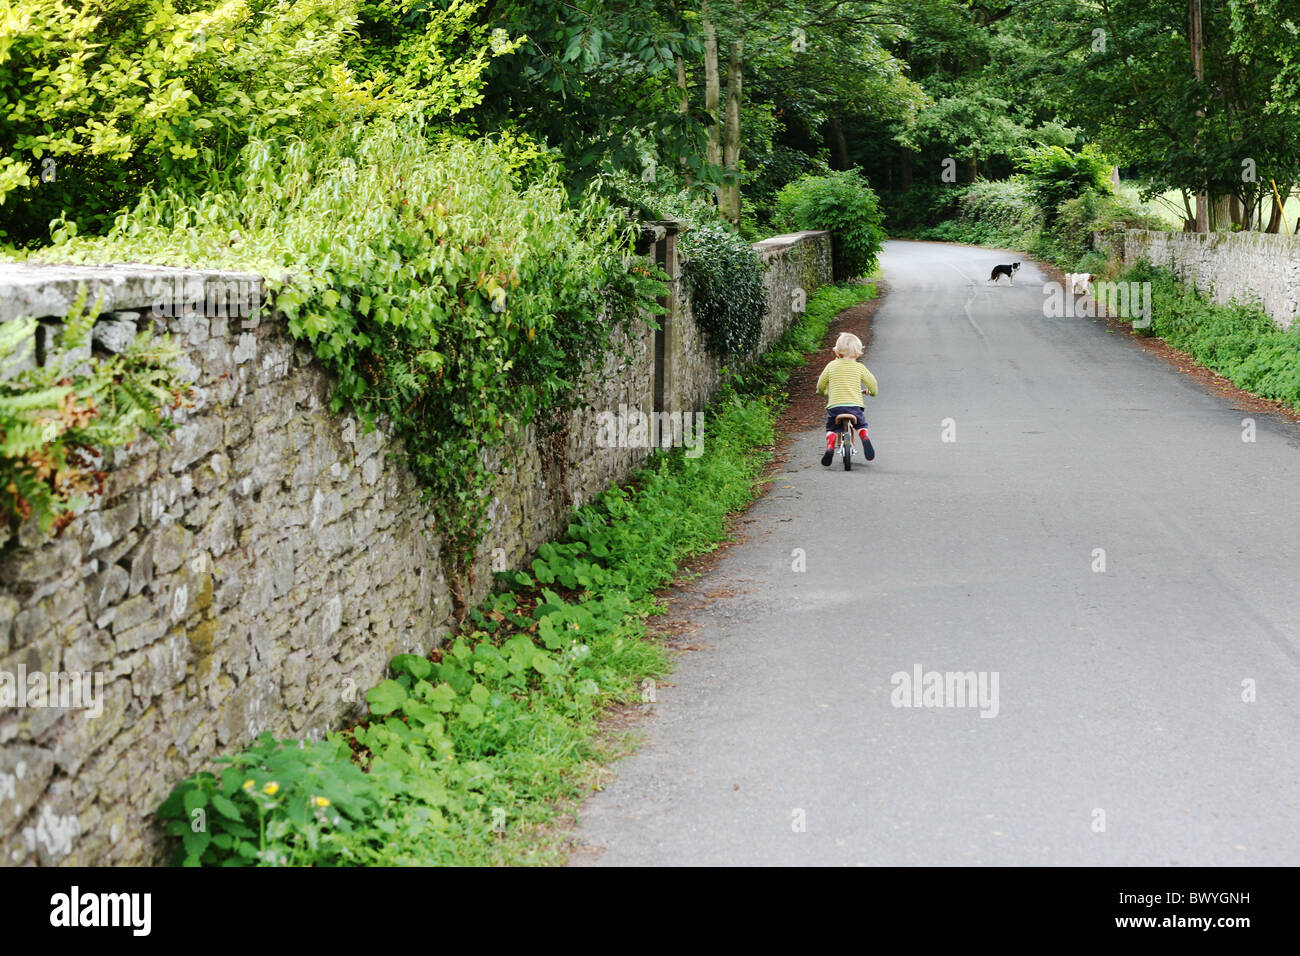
(848, 345)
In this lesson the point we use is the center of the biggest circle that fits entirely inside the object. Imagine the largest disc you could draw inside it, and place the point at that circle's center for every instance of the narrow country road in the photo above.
(1118, 733)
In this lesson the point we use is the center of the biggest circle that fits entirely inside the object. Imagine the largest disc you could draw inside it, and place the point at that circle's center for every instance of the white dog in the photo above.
(1078, 282)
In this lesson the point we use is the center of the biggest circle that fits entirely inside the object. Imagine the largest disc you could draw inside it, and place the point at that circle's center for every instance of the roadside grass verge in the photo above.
(1240, 341)
(468, 755)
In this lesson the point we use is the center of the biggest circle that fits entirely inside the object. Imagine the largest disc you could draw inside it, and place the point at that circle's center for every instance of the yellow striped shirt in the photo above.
(843, 380)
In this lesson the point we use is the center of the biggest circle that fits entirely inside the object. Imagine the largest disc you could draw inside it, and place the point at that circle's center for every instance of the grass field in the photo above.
(1169, 206)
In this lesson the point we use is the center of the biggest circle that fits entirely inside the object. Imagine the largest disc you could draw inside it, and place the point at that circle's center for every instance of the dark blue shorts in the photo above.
(845, 410)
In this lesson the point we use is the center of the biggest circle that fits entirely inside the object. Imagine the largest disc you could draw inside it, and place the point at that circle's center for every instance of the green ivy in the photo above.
(725, 278)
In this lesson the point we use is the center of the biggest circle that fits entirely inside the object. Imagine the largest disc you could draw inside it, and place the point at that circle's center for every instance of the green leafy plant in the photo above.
(59, 420)
(1056, 174)
(105, 100)
(843, 203)
(1239, 340)
(273, 804)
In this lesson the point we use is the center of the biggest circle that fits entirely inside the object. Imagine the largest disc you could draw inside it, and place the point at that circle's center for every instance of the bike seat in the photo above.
(845, 418)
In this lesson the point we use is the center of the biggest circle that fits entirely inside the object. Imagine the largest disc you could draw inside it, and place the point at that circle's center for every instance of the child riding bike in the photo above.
(844, 381)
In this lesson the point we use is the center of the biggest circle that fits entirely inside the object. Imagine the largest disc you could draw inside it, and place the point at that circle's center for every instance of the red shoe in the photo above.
(830, 448)
(867, 451)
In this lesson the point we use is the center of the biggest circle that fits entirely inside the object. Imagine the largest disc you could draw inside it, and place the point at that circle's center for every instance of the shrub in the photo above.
(1006, 213)
(1005, 207)
(1094, 263)
(113, 97)
(843, 203)
(1077, 219)
(766, 173)
(160, 100)
(991, 212)
(1056, 174)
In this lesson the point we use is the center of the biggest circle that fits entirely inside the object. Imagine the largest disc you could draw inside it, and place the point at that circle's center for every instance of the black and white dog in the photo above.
(1009, 271)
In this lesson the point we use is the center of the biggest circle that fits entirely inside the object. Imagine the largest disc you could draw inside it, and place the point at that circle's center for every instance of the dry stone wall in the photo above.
(257, 569)
(1246, 266)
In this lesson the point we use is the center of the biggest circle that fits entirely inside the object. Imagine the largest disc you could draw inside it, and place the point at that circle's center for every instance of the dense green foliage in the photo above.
(1240, 341)
(60, 420)
(464, 753)
(103, 101)
(1006, 214)
(1003, 78)
(445, 294)
(843, 203)
(725, 279)
(996, 213)
(1226, 133)
(1055, 174)
(595, 82)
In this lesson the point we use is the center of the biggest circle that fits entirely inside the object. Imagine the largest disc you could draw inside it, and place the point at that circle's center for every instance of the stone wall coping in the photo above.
(775, 243)
(41, 290)
(44, 290)
(1288, 243)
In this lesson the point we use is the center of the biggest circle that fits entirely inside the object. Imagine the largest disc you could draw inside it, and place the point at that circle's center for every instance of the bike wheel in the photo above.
(846, 448)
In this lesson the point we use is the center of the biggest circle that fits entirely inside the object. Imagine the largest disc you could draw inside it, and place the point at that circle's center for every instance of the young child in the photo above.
(842, 382)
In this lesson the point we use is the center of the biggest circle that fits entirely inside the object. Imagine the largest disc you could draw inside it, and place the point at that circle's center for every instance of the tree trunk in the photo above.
(905, 169)
(1274, 220)
(972, 168)
(729, 201)
(840, 144)
(683, 107)
(1189, 220)
(711, 90)
(1275, 214)
(1195, 37)
(1221, 206)
(1238, 212)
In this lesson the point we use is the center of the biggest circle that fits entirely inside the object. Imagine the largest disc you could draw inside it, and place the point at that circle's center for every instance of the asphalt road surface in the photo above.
(1097, 538)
